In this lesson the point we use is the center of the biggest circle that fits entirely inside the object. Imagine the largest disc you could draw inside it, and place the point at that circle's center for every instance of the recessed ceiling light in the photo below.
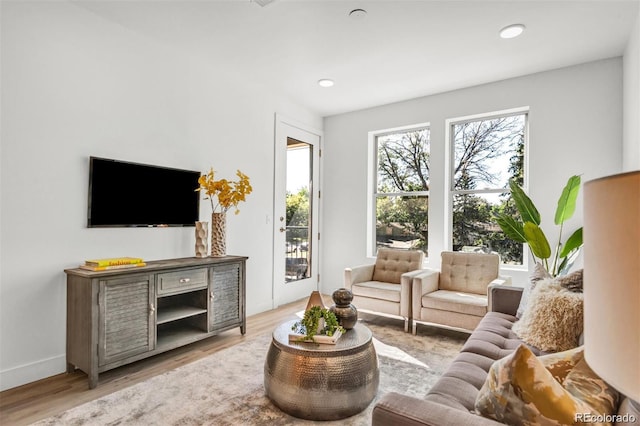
(512, 31)
(262, 3)
(326, 82)
(357, 14)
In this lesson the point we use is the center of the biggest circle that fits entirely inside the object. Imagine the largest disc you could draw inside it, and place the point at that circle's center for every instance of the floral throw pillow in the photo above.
(522, 389)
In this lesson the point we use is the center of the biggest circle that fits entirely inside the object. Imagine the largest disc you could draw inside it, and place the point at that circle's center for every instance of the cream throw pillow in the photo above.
(538, 274)
(553, 318)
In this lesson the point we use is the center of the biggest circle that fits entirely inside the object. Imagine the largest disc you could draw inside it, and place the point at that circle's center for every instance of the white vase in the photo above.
(202, 229)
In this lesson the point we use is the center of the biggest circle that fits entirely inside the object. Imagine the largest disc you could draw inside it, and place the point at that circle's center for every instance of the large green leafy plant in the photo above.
(525, 228)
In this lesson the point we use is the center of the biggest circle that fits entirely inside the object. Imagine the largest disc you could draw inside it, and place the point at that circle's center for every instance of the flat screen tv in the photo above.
(124, 194)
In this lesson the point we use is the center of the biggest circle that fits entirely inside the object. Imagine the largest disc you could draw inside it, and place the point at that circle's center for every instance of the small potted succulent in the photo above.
(317, 321)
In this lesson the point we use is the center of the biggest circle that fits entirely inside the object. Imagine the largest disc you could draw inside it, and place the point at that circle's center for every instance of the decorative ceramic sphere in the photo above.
(342, 297)
(346, 313)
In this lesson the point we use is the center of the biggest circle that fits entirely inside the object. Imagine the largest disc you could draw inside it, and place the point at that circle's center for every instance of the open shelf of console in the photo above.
(175, 313)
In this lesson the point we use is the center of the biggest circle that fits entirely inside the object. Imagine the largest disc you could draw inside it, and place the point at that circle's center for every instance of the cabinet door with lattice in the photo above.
(226, 294)
(127, 318)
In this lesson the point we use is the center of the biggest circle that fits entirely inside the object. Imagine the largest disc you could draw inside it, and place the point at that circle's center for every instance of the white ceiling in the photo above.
(400, 50)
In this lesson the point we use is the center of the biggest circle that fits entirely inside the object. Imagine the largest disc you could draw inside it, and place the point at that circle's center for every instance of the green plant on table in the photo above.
(526, 228)
(311, 319)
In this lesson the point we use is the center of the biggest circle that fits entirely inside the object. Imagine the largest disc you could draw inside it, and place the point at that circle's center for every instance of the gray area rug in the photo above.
(226, 388)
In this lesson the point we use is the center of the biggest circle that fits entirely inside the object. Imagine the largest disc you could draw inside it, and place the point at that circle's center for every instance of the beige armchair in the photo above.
(457, 295)
(385, 287)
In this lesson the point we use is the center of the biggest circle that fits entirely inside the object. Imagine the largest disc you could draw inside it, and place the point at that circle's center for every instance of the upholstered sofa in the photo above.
(451, 400)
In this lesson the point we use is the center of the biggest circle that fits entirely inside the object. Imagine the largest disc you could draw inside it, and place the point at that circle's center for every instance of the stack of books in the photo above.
(112, 263)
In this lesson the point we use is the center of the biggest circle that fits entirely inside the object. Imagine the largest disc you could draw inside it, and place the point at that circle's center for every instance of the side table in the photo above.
(320, 381)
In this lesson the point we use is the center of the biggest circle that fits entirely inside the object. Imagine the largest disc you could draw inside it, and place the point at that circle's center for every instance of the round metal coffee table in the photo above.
(321, 381)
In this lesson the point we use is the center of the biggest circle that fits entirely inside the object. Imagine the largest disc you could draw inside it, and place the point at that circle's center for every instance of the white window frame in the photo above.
(372, 180)
(449, 167)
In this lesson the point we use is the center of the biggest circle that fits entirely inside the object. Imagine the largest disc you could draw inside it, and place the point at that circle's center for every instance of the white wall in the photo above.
(75, 85)
(631, 99)
(575, 124)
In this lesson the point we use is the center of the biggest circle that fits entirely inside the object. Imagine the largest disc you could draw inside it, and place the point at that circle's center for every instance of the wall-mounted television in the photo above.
(125, 194)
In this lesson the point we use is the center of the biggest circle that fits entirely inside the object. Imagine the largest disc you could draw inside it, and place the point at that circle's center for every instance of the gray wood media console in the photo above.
(120, 316)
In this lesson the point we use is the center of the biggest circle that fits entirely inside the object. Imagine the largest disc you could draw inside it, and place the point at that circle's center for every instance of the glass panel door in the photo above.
(299, 250)
(296, 211)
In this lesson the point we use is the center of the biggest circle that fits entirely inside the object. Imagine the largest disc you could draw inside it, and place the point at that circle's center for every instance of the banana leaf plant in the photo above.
(526, 228)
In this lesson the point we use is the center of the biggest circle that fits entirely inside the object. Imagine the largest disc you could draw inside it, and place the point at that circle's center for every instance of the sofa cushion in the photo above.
(392, 263)
(495, 338)
(553, 318)
(491, 340)
(522, 389)
(377, 290)
(468, 272)
(456, 301)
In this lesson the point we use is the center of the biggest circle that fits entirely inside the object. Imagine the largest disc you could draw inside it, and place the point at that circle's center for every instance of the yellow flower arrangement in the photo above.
(228, 193)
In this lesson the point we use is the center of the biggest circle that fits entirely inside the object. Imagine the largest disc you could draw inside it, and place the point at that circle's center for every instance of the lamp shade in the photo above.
(612, 280)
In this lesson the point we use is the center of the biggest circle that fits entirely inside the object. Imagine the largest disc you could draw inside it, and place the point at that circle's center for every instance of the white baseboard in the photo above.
(27, 373)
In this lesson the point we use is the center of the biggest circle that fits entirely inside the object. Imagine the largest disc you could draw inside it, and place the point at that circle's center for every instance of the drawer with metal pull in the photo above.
(189, 279)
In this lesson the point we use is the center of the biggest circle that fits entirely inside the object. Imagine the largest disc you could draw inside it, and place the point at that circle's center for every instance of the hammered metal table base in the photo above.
(322, 382)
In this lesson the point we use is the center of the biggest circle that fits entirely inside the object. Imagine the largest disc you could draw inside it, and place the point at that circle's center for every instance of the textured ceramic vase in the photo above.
(202, 230)
(346, 313)
(218, 234)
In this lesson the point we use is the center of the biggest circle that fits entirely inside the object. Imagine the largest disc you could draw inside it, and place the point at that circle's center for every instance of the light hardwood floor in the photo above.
(47, 397)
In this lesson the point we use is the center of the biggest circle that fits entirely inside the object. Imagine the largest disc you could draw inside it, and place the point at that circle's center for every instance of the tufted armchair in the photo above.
(385, 287)
(457, 295)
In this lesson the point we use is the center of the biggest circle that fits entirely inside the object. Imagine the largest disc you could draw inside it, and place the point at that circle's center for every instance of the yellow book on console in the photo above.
(107, 268)
(114, 261)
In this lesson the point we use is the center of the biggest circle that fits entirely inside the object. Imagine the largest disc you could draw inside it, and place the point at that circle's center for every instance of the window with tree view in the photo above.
(401, 195)
(487, 153)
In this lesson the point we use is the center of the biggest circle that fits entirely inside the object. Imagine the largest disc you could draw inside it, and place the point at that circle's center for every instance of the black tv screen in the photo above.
(130, 194)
